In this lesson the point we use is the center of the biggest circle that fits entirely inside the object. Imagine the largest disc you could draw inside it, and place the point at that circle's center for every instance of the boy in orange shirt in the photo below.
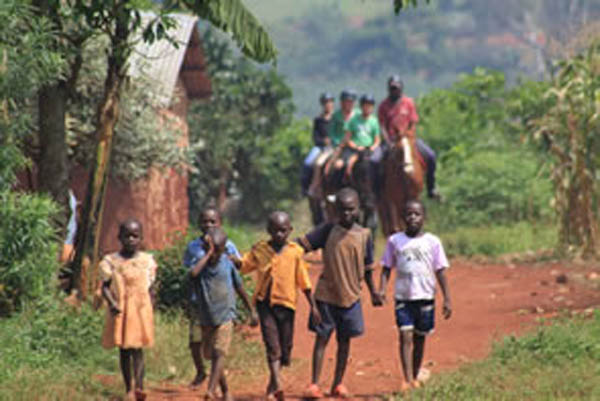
(281, 270)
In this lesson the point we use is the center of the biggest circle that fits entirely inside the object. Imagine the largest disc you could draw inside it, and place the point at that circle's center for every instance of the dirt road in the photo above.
(489, 301)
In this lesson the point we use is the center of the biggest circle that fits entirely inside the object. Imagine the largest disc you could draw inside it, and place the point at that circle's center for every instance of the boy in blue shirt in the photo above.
(196, 250)
(216, 280)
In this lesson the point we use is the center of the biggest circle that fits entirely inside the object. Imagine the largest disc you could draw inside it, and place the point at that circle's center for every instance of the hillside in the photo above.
(328, 44)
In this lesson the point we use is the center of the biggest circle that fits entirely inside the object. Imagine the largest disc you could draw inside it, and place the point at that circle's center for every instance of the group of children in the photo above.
(214, 268)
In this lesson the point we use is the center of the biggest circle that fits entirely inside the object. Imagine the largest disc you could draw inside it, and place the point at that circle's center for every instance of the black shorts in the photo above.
(277, 328)
(347, 322)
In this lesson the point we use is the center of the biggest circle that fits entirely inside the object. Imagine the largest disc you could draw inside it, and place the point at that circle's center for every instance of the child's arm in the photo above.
(237, 262)
(369, 251)
(383, 280)
(314, 311)
(375, 297)
(441, 277)
(198, 267)
(112, 303)
(242, 293)
(376, 142)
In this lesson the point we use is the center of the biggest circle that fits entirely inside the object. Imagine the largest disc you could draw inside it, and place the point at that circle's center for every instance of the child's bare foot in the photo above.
(140, 395)
(276, 396)
(198, 380)
(313, 392)
(340, 391)
(415, 384)
(404, 387)
(210, 396)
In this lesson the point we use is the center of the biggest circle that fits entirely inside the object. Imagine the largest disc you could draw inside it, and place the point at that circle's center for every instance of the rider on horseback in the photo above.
(364, 133)
(398, 117)
(320, 139)
(338, 134)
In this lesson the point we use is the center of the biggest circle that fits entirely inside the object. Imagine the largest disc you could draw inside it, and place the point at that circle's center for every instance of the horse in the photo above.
(402, 181)
(322, 200)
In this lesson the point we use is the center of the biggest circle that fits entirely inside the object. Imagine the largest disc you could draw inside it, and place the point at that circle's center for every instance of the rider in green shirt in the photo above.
(341, 118)
(364, 132)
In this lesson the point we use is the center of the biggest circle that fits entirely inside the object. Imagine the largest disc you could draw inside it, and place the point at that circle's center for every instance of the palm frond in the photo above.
(234, 18)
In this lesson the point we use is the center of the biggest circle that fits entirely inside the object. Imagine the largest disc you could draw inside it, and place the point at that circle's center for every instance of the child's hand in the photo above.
(376, 299)
(447, 309)
(114, 309)
(235, 260)
(210, 247)
(316, 316)
(253, 319)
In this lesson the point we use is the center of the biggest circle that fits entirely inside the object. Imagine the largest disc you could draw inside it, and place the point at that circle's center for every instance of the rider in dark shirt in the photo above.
(320, 138)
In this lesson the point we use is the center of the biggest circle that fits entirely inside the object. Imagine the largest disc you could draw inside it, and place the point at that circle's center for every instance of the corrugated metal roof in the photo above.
(161, 61)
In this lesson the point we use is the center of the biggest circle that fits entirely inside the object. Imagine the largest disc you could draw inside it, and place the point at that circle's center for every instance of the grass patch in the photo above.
(50, 346)
(558, 362)
(495, 240)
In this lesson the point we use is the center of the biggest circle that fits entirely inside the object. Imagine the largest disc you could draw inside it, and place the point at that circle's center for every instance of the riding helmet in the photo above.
(367, 98)
(326, 97)
(348, 94)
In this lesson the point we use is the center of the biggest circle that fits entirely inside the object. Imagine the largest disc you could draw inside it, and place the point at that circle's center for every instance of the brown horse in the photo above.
(402, 181)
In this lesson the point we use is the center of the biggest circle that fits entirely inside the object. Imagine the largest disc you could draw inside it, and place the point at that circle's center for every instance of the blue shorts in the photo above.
(347, 322)
(416, 315)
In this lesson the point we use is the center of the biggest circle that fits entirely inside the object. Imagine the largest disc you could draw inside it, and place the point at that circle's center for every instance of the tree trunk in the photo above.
(108, 113)
(222, 195)
(107, 116)
(53, 173)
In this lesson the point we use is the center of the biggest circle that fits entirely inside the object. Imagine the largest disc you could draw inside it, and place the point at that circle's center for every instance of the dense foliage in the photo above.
(488, 173)
(28, 243)
(244, 142)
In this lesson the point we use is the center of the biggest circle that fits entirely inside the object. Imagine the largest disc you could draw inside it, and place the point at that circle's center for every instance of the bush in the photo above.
(499, 186)
(28, 249)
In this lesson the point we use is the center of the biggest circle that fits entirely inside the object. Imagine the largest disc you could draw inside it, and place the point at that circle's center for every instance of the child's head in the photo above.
(367, 104)
(219, 240)
(130, 234)
(209, 218)
(327, 102)
(279, 227)
(346, 204)
(395, 87)
(347, 99)
(414, 217)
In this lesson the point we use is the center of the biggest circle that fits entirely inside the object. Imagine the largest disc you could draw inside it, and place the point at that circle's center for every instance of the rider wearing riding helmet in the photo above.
(398, 116)
(338, 130)
(321, 139)
(363, 133)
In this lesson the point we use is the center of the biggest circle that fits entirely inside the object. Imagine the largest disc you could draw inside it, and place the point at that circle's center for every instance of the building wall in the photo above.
(159, 201)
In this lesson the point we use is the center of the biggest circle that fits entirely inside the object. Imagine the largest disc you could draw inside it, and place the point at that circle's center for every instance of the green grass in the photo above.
(496, 240)
(57, 349)
(558, 362)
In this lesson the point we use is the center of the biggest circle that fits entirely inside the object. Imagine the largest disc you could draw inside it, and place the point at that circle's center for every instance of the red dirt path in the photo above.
(489, 301)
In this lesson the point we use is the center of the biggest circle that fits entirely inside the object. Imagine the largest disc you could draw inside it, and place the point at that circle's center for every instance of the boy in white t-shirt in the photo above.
(419, 259)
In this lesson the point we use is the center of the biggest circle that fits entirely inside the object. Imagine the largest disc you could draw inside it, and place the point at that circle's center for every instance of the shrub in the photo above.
(28, 248)
(492, 185)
